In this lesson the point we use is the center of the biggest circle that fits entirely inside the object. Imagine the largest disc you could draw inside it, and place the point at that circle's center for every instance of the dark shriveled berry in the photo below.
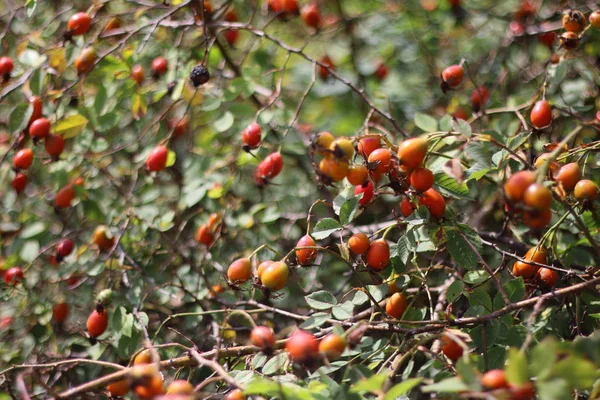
(199, 75)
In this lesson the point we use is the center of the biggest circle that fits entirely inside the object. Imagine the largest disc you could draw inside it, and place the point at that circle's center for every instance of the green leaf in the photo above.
(459, 249)
(425, 122)
(577, 371)
(516, 368)
(371, 384)
(325, 227)
(224, 123)
(556, 389)
(450, 187)
(343, 311)
(275, 364)
(348, 210)
(321, 300)
(32, 58)
(19, 117)
(450, 385)
(127, 328)
(70, 126)
(454, 290)
(402, 388)
(30, 251)
(314, 321)
(32, 230)
(463, 127)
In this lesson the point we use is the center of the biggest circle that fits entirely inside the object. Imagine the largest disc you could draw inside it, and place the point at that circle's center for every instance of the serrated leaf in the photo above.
(70, 126)
(321, 300)
(343, 311)
(127, 328)
(463, 127)
(454, 290)
(425, 122)
(450, 187)
(315, 320)
(459, 249)
(325, 227)
(275, 364)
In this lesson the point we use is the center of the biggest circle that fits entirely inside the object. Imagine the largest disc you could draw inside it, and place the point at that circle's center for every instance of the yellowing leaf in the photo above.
(171, 157)
(70, 126)
(193, 96)
(138, 106)
(57, 59)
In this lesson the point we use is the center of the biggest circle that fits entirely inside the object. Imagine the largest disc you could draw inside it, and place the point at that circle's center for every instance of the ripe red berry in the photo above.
(262, 337)
(523, 392)
(64, 196)
(547, 38)
(367, 145)
(380, 161)
(159, 66)
(569, 40)
(595, 19)
(367, 191)
(23, 159)
(396, 305)
(434, 202)
(79, 24)
(461, 113)
(526, 270)
(494, 379)
(407, 207)
(381, 72)
(36, 105)
(251, 135)
(270, 167)
(13, 276)
(60, 312)
(85, 61)
(568, 175)
(421, 179)
(479, 98)
(54, 145)
(538, 196)
(157, 159)
(357, 174)
(204, 235)
(240, 270)
(411, 152)
(40, 128)
(302, 346)
(452, 76)
(235, 394)
(547, 277)
(517, 184)
(332, 346)
(19, 182)
(275, 275)
(306, 256)
(359, 243)
(541, 114)
(311, 15)
(586, 190)
(97, 322)
(232, 36)
(451, 349)
(323, 69)
(64, 248)
(137, 74)
(6, 67)
(378, 255)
